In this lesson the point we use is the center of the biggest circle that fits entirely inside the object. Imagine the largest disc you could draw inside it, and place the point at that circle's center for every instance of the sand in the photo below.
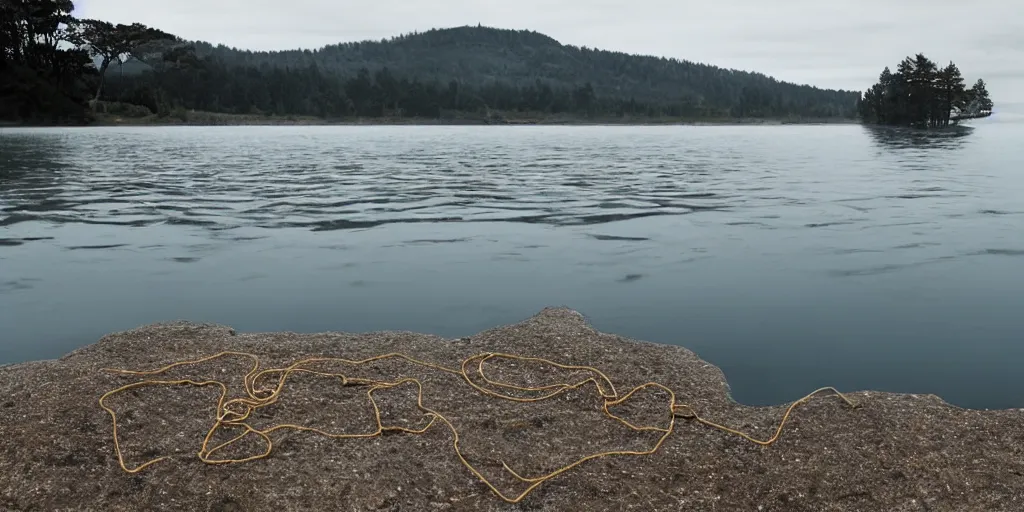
(894, 452)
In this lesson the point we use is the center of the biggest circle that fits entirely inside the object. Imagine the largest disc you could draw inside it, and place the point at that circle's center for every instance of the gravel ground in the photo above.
(892, 453)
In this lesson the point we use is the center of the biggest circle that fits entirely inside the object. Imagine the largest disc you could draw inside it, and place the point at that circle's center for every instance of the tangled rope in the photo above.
(235, 412)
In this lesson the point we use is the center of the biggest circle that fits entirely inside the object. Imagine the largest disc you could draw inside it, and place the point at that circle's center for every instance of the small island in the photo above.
(921, 95)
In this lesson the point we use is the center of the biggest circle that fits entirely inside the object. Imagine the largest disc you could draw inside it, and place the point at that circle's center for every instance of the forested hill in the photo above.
(481, 56)
(55, 67)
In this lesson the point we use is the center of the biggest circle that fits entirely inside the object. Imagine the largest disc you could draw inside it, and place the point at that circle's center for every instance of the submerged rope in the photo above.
(235, 412)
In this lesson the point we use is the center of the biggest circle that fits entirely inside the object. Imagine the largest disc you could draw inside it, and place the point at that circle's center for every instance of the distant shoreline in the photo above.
(215, 119)
(219, 119)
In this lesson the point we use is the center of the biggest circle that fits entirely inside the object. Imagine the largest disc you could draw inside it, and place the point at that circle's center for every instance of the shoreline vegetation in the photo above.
(105, 117)
(887, 452)
(920, 94)
(62, 70)
(60, 65)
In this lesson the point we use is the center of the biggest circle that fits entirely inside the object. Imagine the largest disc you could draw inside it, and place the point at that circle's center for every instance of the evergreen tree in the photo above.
(951, 91)
(42, 77)
(919, 94)
(978, 98)
(113, 43)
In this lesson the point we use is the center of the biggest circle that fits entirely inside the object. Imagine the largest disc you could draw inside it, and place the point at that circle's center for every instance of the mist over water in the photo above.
(792, 257)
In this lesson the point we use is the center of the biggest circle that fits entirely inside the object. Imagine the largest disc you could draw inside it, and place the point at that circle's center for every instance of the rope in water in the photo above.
(235, 412)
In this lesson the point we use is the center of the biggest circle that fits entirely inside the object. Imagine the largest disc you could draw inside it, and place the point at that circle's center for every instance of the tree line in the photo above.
(43, 76)
(54, 66)
(920, 94)
(210, 85)
(479, 56)
(52, 63)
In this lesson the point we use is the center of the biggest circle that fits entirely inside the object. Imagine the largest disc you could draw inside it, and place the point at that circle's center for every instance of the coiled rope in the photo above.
(235, 412)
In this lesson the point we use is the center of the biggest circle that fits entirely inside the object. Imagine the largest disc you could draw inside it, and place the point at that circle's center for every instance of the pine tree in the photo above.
(921, 95)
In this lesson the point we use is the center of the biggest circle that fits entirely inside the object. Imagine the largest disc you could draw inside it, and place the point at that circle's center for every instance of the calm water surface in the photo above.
(792, 257)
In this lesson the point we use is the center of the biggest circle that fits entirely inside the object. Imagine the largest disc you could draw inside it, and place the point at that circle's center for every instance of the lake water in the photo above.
(792, 257)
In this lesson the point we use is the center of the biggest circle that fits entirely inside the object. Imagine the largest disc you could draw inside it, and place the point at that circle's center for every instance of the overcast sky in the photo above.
(829, 43)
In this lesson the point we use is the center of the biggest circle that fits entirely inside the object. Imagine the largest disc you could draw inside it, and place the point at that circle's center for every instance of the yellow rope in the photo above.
(235, 412)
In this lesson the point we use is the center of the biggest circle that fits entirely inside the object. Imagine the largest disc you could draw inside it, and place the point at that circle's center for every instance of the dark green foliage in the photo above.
(468, 71)
(471, 69)
(919, 94)
(41, 80)
(526, 71)
(977, 96)
(212, 86)
(114, 43)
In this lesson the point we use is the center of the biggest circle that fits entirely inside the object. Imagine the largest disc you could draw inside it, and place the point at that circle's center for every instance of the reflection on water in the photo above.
(30, 175)
(792, 257)
(29, 161)
(319, 185)
(951, 138)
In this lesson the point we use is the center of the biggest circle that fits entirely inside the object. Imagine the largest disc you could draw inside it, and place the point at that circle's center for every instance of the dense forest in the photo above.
(42, 77)
(54, 66)
(920, 94)
(527, 71)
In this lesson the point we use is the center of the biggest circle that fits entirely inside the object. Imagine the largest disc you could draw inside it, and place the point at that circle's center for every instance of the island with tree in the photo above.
(921, 95)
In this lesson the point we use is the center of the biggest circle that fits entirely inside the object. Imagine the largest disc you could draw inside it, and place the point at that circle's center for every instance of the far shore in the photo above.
(199, 118)
(214, 119)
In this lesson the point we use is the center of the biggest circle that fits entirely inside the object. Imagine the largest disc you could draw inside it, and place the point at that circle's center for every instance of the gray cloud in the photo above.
(838, 43)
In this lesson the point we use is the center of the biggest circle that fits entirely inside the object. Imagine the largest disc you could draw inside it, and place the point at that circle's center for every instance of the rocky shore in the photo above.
(891, 453)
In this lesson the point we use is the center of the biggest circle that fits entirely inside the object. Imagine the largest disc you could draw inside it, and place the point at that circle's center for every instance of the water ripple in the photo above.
(620, 238)
(216, 179)
(326, 179)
